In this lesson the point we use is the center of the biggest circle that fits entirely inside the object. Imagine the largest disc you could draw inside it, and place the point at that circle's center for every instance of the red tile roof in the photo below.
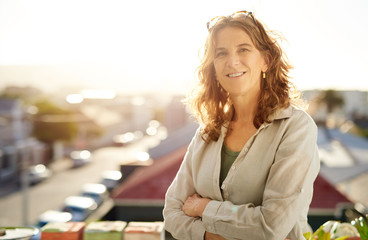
(151, 182)
(326, 196)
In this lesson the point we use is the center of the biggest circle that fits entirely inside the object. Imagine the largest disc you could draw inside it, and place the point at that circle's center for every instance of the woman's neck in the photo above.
(245, 107)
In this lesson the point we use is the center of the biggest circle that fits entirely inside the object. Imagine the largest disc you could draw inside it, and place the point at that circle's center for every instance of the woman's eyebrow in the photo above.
(245, 45)
(239, 45)
(219, 49)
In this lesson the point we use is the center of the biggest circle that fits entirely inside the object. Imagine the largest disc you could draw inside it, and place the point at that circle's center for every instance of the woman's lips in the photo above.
(234, 75)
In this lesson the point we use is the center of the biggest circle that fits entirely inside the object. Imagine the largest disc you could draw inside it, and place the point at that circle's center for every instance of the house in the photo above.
(354, 107)
(141, 196)
(327, 203)
(17, 148)
(11, 131)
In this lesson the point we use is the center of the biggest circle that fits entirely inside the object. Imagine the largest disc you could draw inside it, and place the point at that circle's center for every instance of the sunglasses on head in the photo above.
(214, 20)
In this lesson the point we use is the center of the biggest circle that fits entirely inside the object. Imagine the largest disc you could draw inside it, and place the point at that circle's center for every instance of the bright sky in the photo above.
(153, 45)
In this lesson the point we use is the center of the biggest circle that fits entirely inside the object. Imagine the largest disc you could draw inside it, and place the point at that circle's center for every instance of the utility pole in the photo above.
(23, 145)
(25, 185)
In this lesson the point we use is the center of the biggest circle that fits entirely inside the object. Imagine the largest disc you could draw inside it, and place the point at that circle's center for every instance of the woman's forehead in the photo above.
(232, 35)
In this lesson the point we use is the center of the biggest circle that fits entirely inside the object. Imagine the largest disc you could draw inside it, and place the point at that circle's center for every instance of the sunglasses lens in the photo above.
(212, 23)
(241, 13)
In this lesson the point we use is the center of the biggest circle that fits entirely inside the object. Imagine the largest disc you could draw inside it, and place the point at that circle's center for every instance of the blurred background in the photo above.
(90, 87)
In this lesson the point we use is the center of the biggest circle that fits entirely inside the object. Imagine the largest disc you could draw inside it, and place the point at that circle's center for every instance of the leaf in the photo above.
(307, 236)
(316, 233)
(361, 226)
(322, 235)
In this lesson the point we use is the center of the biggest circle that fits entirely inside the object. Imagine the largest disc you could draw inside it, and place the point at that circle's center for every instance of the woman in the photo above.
(249, 170)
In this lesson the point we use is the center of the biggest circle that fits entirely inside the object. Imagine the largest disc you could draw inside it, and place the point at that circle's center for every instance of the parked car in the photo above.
(80, 157)
(96, 191)
(80, 207)
(111, 179)
(38, 173)
(53, 216)
(127, 138)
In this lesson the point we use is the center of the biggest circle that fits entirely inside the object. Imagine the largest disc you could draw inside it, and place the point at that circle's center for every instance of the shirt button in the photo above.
(233, 167)
(223, 186)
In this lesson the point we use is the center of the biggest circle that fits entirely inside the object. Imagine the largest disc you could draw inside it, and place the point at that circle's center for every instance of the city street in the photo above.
(65, 182)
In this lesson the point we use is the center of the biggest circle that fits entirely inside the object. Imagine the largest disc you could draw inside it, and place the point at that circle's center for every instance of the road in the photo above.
(65, 182)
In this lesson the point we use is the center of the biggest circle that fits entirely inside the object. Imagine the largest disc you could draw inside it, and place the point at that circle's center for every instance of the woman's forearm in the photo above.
(194, 205)
(212, 236)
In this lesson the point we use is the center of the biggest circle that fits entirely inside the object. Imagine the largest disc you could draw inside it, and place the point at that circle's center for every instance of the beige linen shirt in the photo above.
(267, 192)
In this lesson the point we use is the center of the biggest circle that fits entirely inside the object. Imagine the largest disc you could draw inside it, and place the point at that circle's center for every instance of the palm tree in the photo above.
(332, 99)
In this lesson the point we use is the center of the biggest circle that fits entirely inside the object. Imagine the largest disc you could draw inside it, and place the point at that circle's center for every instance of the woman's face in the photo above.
(238, 64)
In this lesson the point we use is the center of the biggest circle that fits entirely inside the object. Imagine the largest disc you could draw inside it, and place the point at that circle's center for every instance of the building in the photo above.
(17, 149)
(354, 106)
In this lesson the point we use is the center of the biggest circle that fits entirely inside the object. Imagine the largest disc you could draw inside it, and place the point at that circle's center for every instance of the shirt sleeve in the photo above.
(288, 191)
(176, 221)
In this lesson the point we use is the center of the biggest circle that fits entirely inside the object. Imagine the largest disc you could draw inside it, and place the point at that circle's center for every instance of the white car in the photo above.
(37, 173)
(127, 138)
(52, 216)
(111, 179)
(96, 191)
(80, 157)
(80, 207)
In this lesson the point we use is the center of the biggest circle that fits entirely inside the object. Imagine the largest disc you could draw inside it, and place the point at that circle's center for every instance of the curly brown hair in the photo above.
(211, 104)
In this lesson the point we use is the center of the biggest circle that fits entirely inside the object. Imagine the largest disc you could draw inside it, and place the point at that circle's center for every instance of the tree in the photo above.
(332, 99)
(52, 123)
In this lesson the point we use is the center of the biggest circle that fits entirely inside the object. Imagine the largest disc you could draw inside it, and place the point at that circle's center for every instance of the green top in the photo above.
(227, 159)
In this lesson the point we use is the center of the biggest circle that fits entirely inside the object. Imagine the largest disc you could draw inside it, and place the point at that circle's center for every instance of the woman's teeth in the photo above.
(235, 74)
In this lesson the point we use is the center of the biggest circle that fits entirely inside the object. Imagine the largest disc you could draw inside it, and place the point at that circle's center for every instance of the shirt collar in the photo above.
(282, 113)
(279, 114)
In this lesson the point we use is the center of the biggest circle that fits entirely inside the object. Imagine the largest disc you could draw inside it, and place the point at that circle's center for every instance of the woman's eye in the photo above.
(220, 54)
(243, 50)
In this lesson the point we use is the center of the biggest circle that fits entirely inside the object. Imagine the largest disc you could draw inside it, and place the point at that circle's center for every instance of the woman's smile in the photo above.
(237, 74)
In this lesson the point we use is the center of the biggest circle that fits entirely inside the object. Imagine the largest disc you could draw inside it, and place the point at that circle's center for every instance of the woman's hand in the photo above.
(195, 205)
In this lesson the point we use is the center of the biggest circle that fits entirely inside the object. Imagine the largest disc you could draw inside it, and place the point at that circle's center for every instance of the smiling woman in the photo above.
(249, 171)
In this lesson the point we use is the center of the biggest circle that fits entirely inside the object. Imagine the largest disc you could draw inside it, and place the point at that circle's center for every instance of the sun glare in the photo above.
(74, 98)
(98, 94)
(129, 47)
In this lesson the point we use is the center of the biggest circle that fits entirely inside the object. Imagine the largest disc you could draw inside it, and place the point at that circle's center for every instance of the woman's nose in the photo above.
(233, 60)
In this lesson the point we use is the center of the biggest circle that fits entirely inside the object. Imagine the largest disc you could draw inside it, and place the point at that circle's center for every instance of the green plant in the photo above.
(361, 225)
(321, 234)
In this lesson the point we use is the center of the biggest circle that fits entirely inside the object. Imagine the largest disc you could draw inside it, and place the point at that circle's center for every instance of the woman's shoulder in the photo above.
(201, 141)
(301, 119)
(301, 113)
(294, 115)
(198, 137)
